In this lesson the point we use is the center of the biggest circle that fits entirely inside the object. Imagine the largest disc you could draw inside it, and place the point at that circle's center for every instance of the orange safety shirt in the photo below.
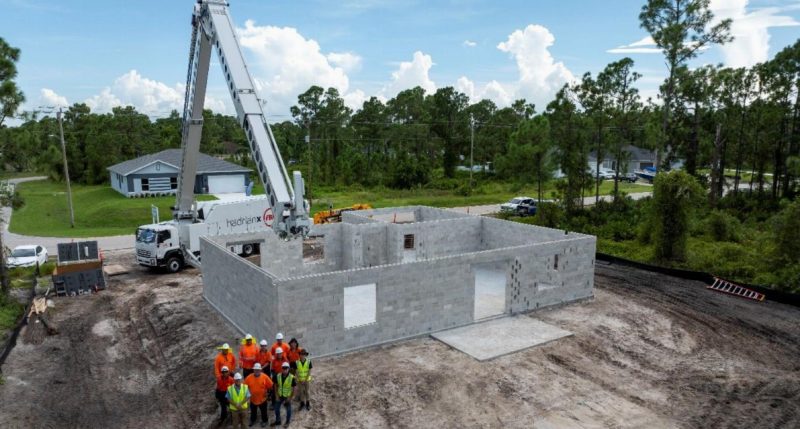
(259, 386)
(221, 360)
(264, 358)
(248, 355)
(277, 364)
(275, 346)
(293, 355)
(223, 383)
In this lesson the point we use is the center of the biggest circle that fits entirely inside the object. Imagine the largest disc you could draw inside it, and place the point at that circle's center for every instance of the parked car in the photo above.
(513, 205)
(527, 209)
(27, 256)
(628, 177)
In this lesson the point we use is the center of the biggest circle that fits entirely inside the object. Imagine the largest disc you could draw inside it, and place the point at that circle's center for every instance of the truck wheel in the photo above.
(248, 249)
(174, 264)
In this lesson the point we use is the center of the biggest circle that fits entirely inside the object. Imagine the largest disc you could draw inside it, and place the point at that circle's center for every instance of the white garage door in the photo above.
(225, 184)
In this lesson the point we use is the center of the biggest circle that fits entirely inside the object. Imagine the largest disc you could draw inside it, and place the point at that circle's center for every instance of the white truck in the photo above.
(283, 208)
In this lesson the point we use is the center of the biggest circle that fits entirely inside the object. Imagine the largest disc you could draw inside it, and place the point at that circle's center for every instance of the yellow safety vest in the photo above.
(302, 370)
(285, 386)
(238, 397)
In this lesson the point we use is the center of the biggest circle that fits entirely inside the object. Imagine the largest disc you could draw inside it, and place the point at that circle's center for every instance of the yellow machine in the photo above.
(335, 215)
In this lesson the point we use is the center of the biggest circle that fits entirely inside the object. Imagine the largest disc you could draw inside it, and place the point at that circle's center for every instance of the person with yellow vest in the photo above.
(224, 358)
(247, 354)
(302, 370)
(284, 383)
(259, 385)
(238, 401)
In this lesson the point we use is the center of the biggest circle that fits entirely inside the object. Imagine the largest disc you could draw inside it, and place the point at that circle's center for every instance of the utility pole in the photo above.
(66, 168)
(471, 147)
(310, 161)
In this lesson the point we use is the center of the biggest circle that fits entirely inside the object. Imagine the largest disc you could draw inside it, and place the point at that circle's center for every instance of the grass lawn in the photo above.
(487, 193)
(99, 210)
(19, 174)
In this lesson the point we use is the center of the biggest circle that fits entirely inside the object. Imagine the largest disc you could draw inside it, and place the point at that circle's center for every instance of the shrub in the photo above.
(722, 226)
(549, 215)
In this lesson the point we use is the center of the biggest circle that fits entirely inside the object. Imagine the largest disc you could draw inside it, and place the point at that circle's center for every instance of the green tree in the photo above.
(675, 195)
(449, 124)
(682, 29)
(11, 97)
(625, 111)
(530, 154)
(566, 127)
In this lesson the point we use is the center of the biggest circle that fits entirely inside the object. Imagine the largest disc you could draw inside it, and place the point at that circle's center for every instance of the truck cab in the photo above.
(157, 246)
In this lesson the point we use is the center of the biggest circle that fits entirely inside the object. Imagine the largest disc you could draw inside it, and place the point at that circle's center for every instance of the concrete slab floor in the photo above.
(499, 337)
(490, 292)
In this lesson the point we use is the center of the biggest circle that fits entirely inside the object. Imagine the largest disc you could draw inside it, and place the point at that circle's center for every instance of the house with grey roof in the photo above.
(157, 174)
(634, 158)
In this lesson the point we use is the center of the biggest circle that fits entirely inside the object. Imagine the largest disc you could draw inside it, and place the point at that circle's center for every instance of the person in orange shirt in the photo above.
(293, 354)
(278, 343)
(224, 358)
(264, 356)
(223, 383)
(277, 361)
(247, 355)
(260, 385)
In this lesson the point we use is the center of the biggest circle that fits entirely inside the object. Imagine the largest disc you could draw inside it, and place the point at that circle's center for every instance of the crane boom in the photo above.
(212, 29)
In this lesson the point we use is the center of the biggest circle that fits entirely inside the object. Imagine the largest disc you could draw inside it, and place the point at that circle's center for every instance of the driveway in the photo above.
(12, 240)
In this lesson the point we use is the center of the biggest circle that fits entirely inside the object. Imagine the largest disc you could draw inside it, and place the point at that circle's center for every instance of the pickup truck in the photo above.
(527, 209)
(513, 205)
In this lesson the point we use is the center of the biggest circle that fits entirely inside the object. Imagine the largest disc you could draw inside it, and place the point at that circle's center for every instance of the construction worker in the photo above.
(264, 357)
(302, 368)
(284, 383)
(278, 343)
(238, 400)
(224, 381)
(260, 386)
(247, 355)
(293, 354)
(278, 359)
(224, 358)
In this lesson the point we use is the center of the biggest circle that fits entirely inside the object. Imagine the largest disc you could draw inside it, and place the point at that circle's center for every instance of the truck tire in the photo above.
(174, 264)
(248, 249)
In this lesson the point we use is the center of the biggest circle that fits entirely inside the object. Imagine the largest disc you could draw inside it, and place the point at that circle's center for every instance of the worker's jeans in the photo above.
(303, 394)
(277, 406)
(223, 404)
(254, 409)
(239, 419)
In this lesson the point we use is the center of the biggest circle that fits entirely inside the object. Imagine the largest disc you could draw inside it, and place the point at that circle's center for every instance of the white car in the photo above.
(513, 205)
(27, 256)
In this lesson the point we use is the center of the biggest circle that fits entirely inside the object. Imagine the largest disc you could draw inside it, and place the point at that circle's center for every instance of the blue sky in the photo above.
(115, 52)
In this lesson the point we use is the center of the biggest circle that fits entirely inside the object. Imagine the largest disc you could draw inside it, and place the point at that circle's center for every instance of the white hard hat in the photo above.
(285, 365)
(248, 337)
(237, 376)
(225, 368)
(278, 350)
(225, 347)
(257, 366)
(264, 343)
(279, 336)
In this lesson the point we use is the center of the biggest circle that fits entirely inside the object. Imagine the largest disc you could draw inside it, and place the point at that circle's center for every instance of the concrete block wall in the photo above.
(243, 292)
(436, 239)
(499, 233)
(430, 214)
(411, 299)
(284, 258)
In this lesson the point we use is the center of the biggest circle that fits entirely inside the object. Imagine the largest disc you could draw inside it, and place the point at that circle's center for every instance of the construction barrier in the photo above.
(23, 320)
(708, 279)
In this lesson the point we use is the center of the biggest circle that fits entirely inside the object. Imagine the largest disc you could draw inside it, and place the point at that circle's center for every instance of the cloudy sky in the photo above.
(120, 52)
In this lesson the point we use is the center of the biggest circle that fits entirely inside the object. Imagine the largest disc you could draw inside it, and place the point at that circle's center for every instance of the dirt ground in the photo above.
(649, 351)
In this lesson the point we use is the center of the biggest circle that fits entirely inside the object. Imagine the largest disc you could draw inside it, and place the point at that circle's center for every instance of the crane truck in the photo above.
(283, 208)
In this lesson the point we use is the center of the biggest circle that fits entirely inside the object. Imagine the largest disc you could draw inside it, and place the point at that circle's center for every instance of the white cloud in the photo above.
(287, 64)
(50, 98)
(540, 76)
(346, 60)
(470, 43)
(148, 96)
(466, 86)
(411, 74)
(355, 99)
(644, 46)
(749, 29)
(493, 90)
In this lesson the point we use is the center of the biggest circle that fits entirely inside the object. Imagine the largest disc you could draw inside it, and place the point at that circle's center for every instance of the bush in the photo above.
(549, 215)
(722, 226)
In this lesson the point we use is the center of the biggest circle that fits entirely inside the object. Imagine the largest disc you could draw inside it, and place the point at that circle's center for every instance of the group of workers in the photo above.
(277, 374)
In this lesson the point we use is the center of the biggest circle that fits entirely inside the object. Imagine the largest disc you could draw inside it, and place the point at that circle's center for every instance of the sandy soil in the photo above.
(648, 351)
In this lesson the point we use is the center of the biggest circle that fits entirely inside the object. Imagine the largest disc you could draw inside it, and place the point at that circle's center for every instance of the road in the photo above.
(494, 208)
(12, 240)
